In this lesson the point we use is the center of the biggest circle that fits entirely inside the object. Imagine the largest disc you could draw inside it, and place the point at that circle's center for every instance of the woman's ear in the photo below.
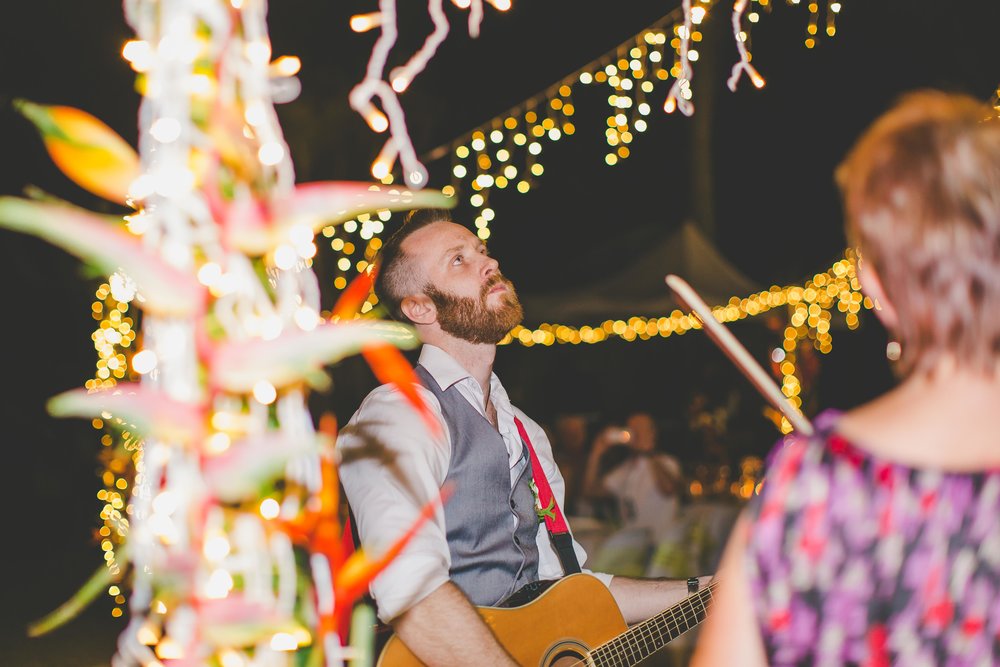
(871, 285)
(419, 308)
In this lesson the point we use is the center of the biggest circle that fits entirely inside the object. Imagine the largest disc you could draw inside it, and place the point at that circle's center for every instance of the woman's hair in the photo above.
(921, 193)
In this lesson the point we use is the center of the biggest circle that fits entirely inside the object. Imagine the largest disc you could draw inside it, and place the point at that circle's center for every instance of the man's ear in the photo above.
(871, 285)
(419, 309)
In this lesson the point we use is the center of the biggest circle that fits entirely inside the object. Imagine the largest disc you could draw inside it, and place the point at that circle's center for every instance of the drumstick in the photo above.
(738, 354)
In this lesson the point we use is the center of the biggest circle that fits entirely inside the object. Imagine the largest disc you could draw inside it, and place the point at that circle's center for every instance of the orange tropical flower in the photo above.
(387, 363)
(89, 152)
(390, 366)
(354, 295)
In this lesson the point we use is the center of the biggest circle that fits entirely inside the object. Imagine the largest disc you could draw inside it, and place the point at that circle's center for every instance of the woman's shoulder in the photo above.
(831, 465)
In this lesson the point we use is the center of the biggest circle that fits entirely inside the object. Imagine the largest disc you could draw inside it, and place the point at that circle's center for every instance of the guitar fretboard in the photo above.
(642, 640)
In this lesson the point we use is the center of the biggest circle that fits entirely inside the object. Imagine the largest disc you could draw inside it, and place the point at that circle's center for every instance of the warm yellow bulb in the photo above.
(365, 22)
(400, 83)
(139, 53)
(380, 169)
(376, 120)
(168, 649)
(283, 641)
(287, 65)
(144, 362)
(269, 508)
(219, 583)
(258, 52)
(271, 153)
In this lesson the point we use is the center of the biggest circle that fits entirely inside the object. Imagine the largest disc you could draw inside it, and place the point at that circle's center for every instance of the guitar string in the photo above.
(683, 617)
(617, 645)
(653, 641)
(614, 647)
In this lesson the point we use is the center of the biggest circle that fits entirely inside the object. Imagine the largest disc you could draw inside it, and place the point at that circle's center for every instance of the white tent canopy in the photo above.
(640, 289)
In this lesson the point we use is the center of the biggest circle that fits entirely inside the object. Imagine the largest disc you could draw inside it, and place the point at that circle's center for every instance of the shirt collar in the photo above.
(447, 372)
(442, 366)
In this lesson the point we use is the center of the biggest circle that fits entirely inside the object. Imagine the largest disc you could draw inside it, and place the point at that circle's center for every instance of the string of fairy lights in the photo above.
(810, 307)
(121, 455)
(388, 88)
(506, 153)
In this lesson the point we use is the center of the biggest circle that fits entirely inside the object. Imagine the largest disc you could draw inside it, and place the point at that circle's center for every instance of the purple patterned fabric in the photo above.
(855, 560)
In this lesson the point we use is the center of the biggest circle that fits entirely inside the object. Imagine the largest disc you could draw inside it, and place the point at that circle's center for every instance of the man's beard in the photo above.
(472, 319)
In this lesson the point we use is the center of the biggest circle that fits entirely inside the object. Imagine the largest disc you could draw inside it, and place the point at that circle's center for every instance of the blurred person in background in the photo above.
(570, 435)
(626, 467)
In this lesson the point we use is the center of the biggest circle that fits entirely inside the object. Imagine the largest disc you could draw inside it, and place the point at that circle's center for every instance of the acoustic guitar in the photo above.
(575, 621)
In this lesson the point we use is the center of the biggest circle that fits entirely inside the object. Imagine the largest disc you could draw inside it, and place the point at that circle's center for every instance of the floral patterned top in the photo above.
(854, 560)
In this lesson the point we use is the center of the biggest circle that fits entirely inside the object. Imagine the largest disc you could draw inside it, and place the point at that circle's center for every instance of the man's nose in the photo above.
(490, 266)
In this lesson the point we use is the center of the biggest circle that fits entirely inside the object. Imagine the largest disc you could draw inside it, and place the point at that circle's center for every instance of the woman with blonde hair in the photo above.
(876, 541)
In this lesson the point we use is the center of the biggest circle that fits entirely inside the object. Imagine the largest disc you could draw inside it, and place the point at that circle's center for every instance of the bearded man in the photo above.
(487, 542)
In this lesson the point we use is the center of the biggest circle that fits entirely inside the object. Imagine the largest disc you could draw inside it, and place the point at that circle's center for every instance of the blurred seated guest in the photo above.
(708, 424)
(876, 540)
(569, 447)
(643, 483)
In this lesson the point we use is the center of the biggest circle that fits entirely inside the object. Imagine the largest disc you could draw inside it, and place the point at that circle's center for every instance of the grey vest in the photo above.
(491, 526)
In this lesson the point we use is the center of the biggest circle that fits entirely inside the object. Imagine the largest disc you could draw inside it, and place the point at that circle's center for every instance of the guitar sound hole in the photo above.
(569, 654)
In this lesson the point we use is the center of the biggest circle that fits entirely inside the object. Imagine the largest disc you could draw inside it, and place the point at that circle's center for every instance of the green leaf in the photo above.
(70, 609)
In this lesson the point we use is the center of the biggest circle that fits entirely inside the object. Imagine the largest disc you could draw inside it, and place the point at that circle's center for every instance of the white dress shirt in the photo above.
(392, 466)
(641, 504)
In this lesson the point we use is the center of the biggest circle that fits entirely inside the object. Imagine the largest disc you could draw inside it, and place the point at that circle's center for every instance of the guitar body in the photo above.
(556, 629)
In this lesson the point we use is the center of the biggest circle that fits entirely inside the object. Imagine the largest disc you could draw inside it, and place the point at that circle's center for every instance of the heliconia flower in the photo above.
(230, 145)
(89, 152)
(326, 534)
(238, 621)
(237, 366)
(243, 218)
(387, 363)
(319, 527)
(359, 570)
(391, 367)
(101, 241)
(241, 471)
(150, 411)
(316, 205)
(354, 295)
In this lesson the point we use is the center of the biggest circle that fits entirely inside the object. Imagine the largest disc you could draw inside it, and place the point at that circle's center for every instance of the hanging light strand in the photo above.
(740, 37)
(374, 84)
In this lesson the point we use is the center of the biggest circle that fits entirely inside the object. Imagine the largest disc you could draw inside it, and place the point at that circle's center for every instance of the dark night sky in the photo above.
(777, 215)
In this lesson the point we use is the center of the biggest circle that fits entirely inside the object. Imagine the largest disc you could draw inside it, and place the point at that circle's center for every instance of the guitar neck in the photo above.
(642, 640)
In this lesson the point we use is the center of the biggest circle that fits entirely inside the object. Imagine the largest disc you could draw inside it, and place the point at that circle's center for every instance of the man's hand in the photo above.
(445, 629)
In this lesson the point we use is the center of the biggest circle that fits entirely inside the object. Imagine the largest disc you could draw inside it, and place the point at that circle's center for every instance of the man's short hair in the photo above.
(921, 193)
(394, 280)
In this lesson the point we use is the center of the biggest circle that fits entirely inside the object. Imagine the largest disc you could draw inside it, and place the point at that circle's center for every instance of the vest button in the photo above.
(517, 540)
(513, 505)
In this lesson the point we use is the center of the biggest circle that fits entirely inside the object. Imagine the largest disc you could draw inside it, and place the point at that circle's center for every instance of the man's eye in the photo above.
(457, 260)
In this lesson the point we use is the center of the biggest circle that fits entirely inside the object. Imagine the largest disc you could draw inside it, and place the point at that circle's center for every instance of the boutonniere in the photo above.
(542, 512)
